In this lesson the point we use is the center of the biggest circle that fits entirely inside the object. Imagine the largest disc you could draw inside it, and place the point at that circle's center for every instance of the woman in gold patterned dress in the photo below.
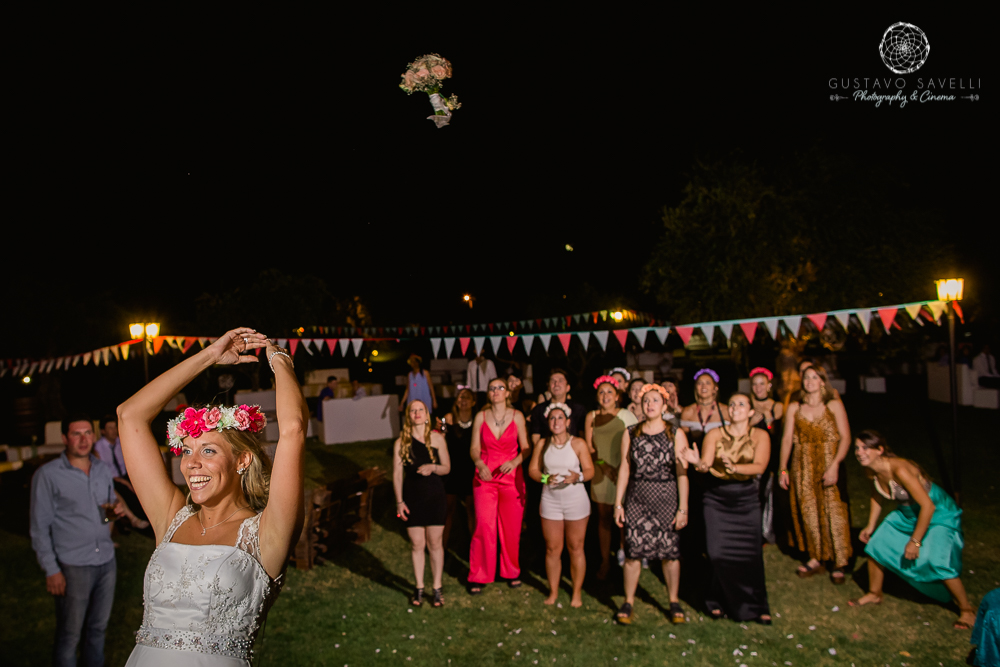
(817, 437)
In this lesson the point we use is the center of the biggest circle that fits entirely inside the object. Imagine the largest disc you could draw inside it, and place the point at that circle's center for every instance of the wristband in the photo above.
(782, 472)
(545, 478)
(599, 462)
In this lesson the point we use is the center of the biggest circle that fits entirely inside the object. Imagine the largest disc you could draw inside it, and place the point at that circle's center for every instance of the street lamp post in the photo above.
(146, 331)
(950, 291)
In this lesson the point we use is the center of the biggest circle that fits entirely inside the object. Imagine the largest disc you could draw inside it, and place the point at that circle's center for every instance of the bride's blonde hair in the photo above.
(255, 481)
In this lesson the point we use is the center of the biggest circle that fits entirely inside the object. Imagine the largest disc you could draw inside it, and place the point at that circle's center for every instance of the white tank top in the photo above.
(561, 460)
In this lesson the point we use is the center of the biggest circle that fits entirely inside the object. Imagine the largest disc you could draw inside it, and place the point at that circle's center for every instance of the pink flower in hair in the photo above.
(194, 422)
(212, 418)
(257, 419)
(242, 419)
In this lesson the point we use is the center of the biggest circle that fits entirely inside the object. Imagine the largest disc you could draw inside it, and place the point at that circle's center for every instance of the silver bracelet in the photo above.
(680, 511)
(284, 354)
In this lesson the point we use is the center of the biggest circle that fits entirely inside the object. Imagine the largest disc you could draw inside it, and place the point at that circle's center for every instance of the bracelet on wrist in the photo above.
(282, 353)
(680, 511)
(619, 507)
(914, 542)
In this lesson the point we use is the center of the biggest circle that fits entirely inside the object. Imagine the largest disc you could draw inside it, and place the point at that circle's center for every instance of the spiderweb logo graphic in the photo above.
(904, 48)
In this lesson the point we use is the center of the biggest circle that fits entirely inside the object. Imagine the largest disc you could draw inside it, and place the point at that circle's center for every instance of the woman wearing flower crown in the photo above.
(220, 553)
(651, 500)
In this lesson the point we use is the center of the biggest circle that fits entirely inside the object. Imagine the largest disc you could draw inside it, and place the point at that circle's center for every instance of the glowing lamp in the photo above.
(152, 330)
(374, 353)
(950, 289)
(510, 333)
(617, 315)
(135, 330)
(26, 379)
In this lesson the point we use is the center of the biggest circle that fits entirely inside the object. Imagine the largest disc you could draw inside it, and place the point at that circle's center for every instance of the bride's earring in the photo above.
(240, 471)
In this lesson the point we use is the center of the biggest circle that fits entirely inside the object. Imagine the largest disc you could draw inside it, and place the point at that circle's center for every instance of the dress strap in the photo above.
(183, 514)
(248, 537)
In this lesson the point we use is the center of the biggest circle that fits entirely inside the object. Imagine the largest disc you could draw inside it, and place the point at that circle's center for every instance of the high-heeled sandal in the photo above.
(677, 614)
(624, 615)
(418, 597)
(805, 572)
(438, 598)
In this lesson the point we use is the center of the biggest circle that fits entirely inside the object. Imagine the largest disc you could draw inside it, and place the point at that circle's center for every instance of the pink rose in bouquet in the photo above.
(441, 72)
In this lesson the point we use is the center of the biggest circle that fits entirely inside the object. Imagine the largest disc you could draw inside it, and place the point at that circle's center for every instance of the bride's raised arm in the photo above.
(160, 498)
(281, 520)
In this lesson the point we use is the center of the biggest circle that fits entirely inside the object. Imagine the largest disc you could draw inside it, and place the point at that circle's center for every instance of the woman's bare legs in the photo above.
(435, 545)
(553, 532)
(967, 614)
(576, 531)
(605, 523)
(418, 542)
(633, 568)
(672, 575)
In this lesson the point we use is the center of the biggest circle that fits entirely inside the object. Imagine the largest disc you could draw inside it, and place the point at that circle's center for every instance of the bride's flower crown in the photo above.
(195, 423)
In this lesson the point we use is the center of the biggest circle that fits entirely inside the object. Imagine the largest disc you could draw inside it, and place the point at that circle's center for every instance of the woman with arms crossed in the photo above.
(417, 467)
(561, 463)
(921, 540)
(222, 550)
(652, 500)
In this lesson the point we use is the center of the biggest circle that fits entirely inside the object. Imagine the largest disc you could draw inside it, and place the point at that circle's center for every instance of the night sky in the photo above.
(300, 153)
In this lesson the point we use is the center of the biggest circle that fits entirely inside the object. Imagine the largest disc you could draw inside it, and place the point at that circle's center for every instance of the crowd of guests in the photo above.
(715, 478)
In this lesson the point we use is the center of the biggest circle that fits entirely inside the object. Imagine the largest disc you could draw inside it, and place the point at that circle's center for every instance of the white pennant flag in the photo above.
(584, 337)
(602, 338)
(477, 344)
(727, 329)
(342, 344)
(544, 340)
(31, 370)
(772, 326)
(937, 308)
(356, 344)
(843, 316)
(528, 342)
(282, 342)
(307, 345)
(661, 333)
(435, 345)
(76, 360)
(449, 345)
(104, 354)
(709, 331)
(913, 310)
(495, 341)
(793, 322)
(865, 317)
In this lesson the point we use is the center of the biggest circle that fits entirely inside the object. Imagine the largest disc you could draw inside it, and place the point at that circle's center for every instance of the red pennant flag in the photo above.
(380, 331)
(539, 322)
(513, 326)
(749, 329)
(490, 325)
(595, 313)
(958, 311)
(819, 319)
(564, 339)
(464, 342)
(511, 342)
(423, 331)
(569, 320)
(360, 332)
(887, 315)
(157, 344)
(621, 335)
(446, 328)
(187, 344)
(292, 345)
(684, 333)
(468, 329)
(330, 342)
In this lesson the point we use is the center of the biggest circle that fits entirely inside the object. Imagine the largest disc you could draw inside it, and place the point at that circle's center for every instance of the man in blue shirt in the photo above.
(71, 538)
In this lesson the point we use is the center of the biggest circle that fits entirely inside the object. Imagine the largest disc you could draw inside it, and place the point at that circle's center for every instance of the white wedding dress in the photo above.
(203, 604)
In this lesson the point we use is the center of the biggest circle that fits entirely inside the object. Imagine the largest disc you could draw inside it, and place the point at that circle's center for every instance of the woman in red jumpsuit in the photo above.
(499, 444)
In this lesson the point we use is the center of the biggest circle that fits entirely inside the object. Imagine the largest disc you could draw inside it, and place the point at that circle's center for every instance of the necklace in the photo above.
(463, 424)
(203, 529)
(559, 445)
(704, 422)
(501, 422)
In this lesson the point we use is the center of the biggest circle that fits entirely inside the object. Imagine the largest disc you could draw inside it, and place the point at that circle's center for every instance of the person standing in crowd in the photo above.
(478, 375)
(108, 448)
(734, 454)
(327, 393)
(70, 497)
(499, 445)
(817, 436)
(418, 467)
(622, 377)
(223, 549)
(458, 483)
(767, 415)
(651, 500)
(419, 386)
(985, 366)
(673, 407)
(519, 398)
(705, 413)
(921, 540)
(635, 407)
(561, 463)
(603, 429)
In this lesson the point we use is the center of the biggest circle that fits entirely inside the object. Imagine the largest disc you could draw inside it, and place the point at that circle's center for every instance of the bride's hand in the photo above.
(227, 348)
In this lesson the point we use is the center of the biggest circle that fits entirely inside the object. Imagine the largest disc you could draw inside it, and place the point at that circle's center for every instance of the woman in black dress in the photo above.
(457, 429)
(734, 454)
(651, 499)
(767, 414)
(417, 468)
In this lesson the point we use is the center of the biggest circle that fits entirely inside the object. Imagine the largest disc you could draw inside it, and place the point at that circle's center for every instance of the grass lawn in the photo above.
(353, 610)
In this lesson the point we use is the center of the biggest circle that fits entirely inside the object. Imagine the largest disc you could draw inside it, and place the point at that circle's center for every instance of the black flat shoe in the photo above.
(762, 621)
(515, 584)
(677, 614)
(475, 589)
(624, 615)
(716, 614)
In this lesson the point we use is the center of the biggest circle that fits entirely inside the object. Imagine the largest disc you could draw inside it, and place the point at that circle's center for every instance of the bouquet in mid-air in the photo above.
(426, 74)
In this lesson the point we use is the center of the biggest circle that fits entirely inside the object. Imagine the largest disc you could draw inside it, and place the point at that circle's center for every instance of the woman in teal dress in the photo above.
(921, 540)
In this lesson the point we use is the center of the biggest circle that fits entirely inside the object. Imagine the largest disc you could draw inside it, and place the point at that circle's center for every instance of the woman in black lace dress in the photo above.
(652, 499)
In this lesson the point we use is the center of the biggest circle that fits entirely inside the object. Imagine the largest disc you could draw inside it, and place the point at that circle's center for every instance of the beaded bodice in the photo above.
(209, 598)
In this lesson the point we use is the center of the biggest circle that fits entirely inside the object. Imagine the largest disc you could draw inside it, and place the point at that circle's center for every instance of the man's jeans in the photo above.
(83, 613)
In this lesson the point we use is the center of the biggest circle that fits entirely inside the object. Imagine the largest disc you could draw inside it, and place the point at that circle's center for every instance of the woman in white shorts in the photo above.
(562, 463)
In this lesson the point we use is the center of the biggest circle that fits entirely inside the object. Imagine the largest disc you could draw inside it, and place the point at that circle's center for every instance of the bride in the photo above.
(220, 553)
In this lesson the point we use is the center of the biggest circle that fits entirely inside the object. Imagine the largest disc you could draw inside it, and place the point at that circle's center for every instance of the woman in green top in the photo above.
(603, 430)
